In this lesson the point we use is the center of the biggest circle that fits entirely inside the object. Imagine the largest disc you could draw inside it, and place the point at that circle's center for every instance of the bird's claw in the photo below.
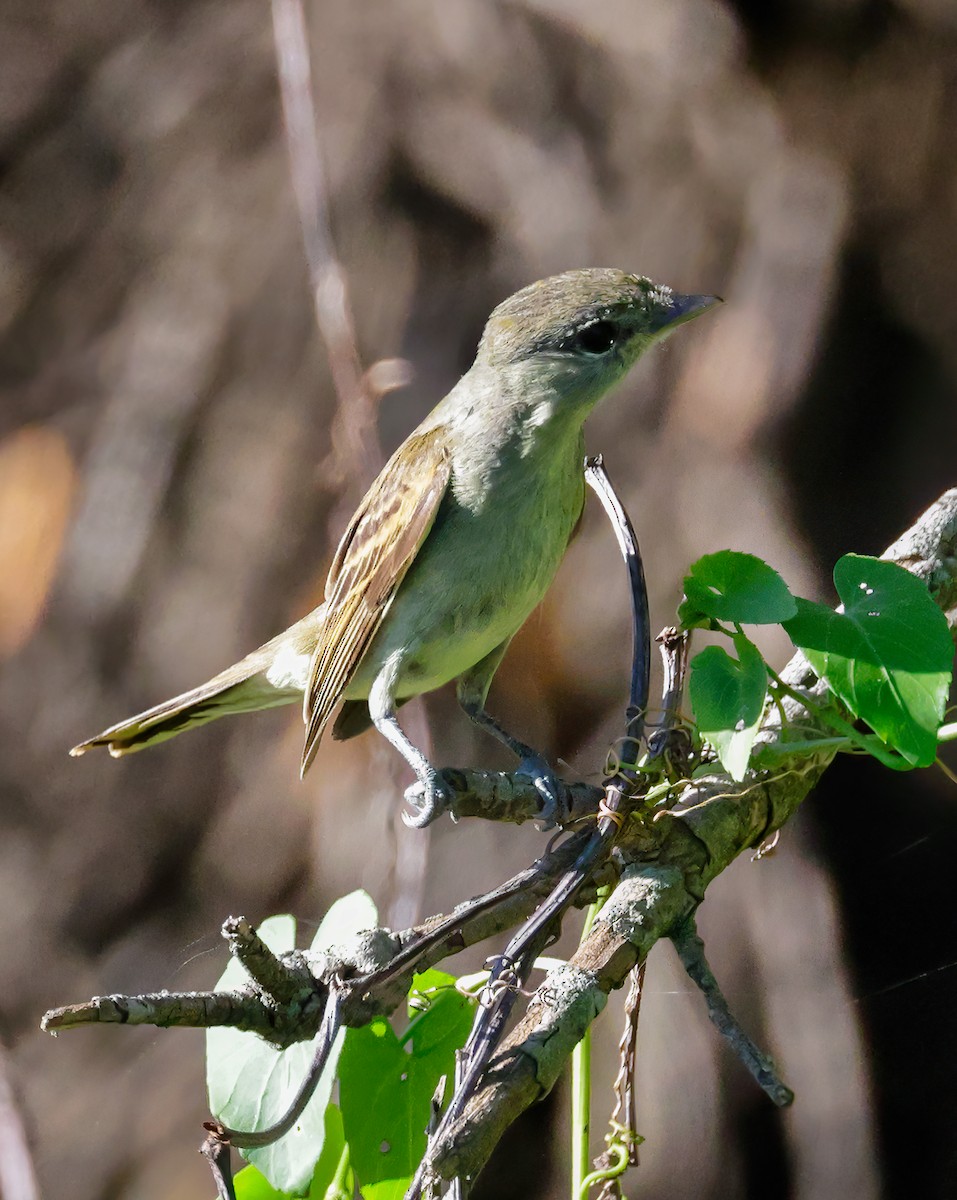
(549, 787)
(428, 799)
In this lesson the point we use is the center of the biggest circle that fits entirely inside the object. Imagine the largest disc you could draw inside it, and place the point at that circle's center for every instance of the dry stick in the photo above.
(512, 968)
(216, 1153)
(353, 431)
(354, 438)
(624, 1111)
(364, 994)
(690, 949)
(670, 739)
(715, 820)
(165, 1010)
(284, 981)
(499, 796)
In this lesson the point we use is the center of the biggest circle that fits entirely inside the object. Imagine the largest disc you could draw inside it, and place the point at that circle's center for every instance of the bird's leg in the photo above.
(427, 796)
(472, 690)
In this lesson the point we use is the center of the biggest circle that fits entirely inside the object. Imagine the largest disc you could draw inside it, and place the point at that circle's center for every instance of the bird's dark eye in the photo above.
(597, 338)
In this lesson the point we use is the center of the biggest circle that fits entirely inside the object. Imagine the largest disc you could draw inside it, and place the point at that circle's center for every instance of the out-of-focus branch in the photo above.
(356, 449)
(18, 1180)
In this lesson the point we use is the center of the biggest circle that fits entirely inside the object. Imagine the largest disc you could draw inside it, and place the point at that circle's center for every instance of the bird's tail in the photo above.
(270, 676)
(205, 703)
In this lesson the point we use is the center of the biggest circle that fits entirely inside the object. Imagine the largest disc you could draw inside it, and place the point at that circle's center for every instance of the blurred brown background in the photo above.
(163, 508)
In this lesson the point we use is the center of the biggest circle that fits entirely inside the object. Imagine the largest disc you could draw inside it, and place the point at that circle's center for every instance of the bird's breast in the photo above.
(496, 543)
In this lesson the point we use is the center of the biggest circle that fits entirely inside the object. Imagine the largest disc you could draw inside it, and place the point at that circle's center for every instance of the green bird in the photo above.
(458, 538)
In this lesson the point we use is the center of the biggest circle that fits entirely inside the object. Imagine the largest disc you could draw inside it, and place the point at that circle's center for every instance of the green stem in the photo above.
(338, 1189)
(873, 745)
(793, 749)
(581, 1083)
(620, 1154)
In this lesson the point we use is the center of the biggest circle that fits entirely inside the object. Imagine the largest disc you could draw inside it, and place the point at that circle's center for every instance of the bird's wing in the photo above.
(376, 550)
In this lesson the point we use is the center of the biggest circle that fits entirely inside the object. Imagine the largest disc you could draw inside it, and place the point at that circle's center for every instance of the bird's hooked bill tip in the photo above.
(683, 307)
(679, 309)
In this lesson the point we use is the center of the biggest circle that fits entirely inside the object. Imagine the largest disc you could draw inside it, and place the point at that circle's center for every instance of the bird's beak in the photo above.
(681, 309)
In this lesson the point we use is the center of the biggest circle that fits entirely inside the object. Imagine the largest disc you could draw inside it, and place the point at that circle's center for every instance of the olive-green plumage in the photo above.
(460, 535)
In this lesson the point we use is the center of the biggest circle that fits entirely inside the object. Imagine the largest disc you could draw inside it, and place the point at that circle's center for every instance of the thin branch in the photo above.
(216, 1153)
(284, 980)
(623, 1119)
(597, 478)
(690, 949)
(355, 443)
(670, 739)
(501, 796)
(365, 992)
(356, 456)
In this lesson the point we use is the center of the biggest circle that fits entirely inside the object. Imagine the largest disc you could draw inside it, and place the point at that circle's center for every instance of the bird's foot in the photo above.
(428, 799)
(549, 787)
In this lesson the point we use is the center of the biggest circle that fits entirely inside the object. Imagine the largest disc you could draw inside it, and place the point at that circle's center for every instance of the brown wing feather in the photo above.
(376, 551)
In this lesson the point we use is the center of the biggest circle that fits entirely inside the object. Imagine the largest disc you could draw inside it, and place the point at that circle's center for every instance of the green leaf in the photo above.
(386, 1086)
(251, 1184)
(888, 657)
(252, 1084)
(727, 695)
(735, 587)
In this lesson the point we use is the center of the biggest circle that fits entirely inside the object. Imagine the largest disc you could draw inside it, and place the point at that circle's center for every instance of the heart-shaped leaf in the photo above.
(727, 695)
(888, 656)
(251, 1184)
(386, 1085)
(734, 587)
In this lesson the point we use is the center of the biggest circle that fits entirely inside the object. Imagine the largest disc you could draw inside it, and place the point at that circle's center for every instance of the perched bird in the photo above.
(457, 539)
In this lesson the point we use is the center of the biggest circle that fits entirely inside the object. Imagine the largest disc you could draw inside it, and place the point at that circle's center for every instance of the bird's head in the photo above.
(579, 332)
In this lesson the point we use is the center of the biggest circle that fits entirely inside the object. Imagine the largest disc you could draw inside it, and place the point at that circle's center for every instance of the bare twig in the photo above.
(355, 443)
(216, 1153)
(366, 992)
(690, 949)
(597, 478)
(500, 796)
(670, 739)
(356, 455)
(623, 1116)
(284, 980)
